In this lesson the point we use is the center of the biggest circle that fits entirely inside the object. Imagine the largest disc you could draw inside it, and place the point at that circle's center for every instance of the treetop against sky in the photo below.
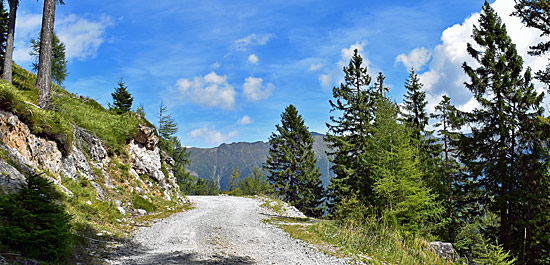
(227, 69)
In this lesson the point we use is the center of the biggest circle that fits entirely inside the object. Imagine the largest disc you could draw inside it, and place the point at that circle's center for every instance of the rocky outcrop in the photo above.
(146, 160)
(87, 159)
(443, 249)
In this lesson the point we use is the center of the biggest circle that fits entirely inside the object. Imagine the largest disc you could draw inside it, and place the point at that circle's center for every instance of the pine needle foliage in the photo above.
(505, 152)
(291, 164)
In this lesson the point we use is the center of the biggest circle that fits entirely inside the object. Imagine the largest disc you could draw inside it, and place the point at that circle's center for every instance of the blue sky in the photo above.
(227, 69)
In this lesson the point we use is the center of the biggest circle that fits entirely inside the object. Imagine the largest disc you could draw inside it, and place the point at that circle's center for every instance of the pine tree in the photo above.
(348, 135)
(402, 194)
(291, 164)
(34, 224)
(536, 14)
(449, 123)
(167, 125)
(505, 153)
(59, 63)
(414, 106)
(122, 100)
(379, 87)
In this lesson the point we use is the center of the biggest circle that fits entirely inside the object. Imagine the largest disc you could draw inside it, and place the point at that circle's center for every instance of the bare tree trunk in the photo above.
(44, 78)
(7, 74)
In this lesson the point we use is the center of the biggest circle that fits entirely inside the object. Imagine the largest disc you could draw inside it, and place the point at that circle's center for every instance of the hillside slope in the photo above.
(107, 167)
(217, 163)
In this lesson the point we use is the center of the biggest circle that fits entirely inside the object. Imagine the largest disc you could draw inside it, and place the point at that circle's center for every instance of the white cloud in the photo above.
(212, 136)
(250, 41)
(253, 59)
(416, 59)
(254, 90)
(445, 74)
(244, 120)
(212, 90)
(27, 27)
(315, 66)
(81, 36)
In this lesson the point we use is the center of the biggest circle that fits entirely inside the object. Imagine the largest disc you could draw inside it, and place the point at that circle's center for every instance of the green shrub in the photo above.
(142, 203)
(350, 210)
(33, 224)
(255, 184)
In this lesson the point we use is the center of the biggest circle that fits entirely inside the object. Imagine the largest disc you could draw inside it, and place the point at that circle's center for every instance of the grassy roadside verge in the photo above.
(365, 243)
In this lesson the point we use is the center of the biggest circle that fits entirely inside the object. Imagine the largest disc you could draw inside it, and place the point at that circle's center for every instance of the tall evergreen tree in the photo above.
(59, 63)
(8, 59)
(291, 164)
(402, 193)
(348, 135)
(414, 106)
(536, 14)
(449, 123)
(122, 99)
(505, 152)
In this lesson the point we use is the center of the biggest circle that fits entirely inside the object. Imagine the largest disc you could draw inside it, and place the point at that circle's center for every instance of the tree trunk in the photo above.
(44, 78)
(7, 74)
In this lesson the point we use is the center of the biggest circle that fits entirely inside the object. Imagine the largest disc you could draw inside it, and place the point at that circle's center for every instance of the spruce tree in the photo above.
(291, 164)
(348, 135)
(414, 106)
(536, 14)
(122, 100)
(8, 59)
(449, 123)
(59, 63)
(505, 152)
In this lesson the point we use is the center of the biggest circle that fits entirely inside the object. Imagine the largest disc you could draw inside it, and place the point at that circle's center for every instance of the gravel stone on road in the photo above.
(219, 230)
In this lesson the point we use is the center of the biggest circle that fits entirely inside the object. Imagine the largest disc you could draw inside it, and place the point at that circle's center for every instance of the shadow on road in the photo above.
(136, 254)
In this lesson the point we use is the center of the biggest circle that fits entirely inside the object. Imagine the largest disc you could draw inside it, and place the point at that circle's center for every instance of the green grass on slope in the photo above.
(114, 129)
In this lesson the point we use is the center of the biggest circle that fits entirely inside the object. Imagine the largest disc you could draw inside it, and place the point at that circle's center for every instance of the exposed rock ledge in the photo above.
(27, 153)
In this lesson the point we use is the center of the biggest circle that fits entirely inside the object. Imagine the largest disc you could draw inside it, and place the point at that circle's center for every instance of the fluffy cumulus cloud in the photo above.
(445, 74)
(82, 36)
(254, 90)
(416, 59)
(253, 59)
(244, 120)
(211, 90)
(211, 135)
(27, 26)
(250, 41)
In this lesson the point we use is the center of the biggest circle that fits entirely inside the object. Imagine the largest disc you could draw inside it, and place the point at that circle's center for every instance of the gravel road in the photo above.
(220, 230)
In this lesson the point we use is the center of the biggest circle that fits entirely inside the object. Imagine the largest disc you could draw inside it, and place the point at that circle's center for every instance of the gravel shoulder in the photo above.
(219, 230)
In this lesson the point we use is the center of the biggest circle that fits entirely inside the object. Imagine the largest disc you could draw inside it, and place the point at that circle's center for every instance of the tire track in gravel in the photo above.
(219, 230)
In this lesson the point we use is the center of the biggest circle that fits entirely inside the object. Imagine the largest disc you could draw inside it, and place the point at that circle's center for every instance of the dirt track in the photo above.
(220, 230)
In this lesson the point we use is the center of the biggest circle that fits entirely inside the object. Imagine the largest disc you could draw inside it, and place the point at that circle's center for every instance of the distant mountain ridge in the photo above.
(217, 163)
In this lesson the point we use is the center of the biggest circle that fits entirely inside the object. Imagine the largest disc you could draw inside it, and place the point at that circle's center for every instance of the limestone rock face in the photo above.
(88, 158)
(42, 154)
